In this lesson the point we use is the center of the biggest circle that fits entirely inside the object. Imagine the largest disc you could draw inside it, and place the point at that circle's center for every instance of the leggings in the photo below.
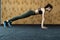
(25, 15)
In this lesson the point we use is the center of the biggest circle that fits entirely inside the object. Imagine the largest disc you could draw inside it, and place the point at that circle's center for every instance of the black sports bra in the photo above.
(40, 11)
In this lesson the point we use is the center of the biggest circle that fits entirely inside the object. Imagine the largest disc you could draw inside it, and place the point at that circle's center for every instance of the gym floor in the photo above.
(29, 32)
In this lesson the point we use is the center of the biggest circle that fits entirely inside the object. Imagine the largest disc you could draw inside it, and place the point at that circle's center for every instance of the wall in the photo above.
(12, 8)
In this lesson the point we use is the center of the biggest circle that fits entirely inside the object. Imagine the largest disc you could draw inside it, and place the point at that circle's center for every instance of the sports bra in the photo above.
(42, 10)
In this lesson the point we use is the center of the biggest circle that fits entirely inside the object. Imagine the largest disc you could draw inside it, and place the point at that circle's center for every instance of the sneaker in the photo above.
(5, 24)
(9, 24)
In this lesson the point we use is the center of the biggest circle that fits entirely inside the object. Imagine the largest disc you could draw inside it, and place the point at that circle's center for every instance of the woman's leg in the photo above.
(25, 15)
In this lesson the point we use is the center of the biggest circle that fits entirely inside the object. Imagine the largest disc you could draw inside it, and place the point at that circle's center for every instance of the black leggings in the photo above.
(26, 14)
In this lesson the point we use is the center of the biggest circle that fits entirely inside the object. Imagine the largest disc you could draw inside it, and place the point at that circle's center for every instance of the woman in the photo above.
(41, 11)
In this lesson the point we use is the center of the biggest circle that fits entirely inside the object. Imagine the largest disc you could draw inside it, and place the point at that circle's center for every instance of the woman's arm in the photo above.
(43, 19)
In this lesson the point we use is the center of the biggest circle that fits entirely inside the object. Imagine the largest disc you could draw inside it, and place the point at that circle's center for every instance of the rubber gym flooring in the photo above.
(29, 32)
